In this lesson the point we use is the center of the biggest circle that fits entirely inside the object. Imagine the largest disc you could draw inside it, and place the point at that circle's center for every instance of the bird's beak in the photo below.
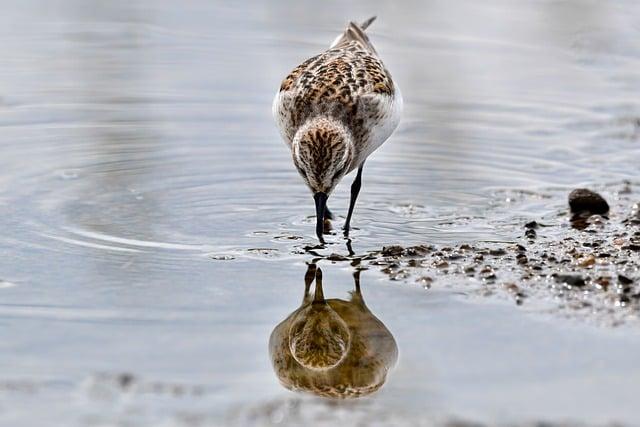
(318, 297)
(321, 203)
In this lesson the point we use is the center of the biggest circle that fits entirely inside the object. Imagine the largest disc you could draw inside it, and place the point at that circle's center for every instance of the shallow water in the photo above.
(154, 227)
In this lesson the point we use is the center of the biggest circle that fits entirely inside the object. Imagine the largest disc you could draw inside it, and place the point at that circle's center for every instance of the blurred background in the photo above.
(154, 227)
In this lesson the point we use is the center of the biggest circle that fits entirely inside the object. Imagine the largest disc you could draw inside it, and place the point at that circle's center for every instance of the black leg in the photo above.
(355, 189)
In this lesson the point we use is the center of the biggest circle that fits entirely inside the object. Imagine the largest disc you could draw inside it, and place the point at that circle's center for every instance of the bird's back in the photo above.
(347, 82)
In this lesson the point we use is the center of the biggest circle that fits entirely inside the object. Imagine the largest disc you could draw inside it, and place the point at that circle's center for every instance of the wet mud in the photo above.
(581, 259)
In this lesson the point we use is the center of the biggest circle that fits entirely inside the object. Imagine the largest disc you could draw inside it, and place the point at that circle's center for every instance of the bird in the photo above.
(333, 111)
(332, 347)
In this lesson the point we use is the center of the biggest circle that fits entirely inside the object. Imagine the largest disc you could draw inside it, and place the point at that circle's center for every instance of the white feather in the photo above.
(381, 130)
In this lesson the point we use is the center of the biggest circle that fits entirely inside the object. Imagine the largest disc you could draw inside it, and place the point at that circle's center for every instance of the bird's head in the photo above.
(319, 338)
(323, 153)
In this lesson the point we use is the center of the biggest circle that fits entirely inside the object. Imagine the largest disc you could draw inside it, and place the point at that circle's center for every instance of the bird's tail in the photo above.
(355, 32)
(368, 22)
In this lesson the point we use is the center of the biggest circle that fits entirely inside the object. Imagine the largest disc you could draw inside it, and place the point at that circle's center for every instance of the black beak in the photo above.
(321, 203)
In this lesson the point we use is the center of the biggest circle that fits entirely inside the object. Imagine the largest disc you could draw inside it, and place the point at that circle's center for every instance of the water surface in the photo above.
(154, 227)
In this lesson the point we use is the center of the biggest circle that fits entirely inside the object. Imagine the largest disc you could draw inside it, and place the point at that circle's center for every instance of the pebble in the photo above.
(587, 262)
(570, 279)
(394, 250)
(583, 200)
(624, 280)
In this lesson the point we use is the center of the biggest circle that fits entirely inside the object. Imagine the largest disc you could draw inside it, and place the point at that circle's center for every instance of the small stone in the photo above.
(394, 250)
(222, 257)
(497, 252)
(624, 280)
(623, 301)
(531, 225)
(414, 263)
(570, 279)
(530, 233)
(418, 250)
(337, 257)
(603, 282)
(587, 262)
(583, 200)
(125, 380)
(425, 281)
(442, 264)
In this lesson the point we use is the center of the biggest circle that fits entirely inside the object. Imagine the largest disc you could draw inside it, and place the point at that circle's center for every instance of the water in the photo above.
(154, 227)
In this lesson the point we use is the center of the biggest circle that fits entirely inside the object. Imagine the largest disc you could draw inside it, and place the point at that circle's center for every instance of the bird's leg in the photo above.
(350, 248)
(355, 190)
(356, 295)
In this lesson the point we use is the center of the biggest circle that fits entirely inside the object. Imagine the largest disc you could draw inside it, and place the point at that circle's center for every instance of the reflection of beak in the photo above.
(318, 297)
(321, 203)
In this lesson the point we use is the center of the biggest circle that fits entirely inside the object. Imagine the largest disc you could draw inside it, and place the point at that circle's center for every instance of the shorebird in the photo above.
(332, 347)
(333, 111)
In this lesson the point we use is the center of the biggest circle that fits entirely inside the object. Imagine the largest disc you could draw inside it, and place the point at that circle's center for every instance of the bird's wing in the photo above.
(348, 82)
(380, 115)
(332, 83)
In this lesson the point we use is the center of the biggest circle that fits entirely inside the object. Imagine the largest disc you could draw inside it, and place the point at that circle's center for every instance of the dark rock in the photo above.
(497, 252)
(624, 280)
(530, 233)
(417, 250)
(424, 280)
(570, 279)
(394, 250)
(442, 264)
(583, 200)
(531, 225)
(125, 380)
(632, 247)
(603, 282)
(414, 263)
(337, 257)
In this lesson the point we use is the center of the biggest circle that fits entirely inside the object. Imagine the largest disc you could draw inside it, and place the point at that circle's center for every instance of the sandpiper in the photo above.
(333, 111)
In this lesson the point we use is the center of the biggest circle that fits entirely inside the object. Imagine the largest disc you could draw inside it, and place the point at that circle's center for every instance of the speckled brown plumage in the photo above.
(348, 82)
(334, 83)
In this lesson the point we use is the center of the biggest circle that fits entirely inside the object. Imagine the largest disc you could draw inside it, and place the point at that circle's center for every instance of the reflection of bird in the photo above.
(334, 110)
(332, 348)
